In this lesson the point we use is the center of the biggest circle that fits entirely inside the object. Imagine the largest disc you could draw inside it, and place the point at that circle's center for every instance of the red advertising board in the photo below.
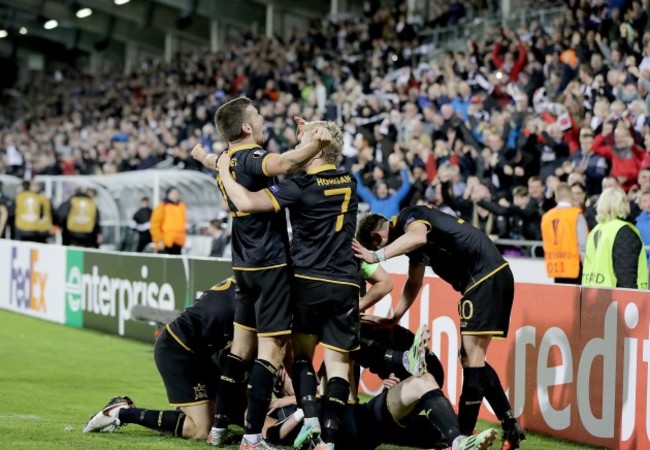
(574, 364)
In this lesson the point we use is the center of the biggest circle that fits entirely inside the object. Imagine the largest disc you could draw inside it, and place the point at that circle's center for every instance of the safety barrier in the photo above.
(575, 362)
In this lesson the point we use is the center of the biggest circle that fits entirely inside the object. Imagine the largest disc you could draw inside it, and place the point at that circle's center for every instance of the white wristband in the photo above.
(380, 255)
(299, 415)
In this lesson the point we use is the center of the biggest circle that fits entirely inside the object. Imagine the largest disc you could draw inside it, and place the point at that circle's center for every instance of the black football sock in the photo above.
(434, 367)
(471, 398)
(336, 397)
(395, 362)
(305, 385)
(260, 389)
(494, 393)
(441, 414)
(169, 421)
(230, 387)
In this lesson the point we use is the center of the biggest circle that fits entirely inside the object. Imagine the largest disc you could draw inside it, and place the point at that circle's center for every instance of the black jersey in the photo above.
(459, 253)
(259, 241)
(207, 325)
(323, 207)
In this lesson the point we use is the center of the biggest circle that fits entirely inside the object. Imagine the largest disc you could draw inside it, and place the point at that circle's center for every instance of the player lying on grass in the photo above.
(184, 354)
(389, 418)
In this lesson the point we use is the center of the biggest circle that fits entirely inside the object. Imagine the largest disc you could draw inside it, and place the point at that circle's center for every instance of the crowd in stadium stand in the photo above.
(486, 132)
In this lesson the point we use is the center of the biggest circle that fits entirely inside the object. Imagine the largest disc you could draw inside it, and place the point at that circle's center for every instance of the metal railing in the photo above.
(455, 37)
(533, 245)
(118, 196)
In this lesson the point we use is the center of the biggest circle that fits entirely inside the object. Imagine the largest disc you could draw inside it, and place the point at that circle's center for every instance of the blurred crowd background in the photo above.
(485, 132)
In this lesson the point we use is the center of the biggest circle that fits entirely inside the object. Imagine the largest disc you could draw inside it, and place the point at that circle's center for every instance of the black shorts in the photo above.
(376, 425)
(263, 301)
(485, 308)
(190, 379)
(329, 311)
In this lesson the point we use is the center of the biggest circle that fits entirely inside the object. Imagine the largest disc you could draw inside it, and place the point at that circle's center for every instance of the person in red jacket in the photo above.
(168, 224)
(508, 63)
(617, 145)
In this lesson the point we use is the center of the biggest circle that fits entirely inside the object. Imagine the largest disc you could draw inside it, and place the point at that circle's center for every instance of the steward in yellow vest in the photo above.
(33, 220)
(79, 219)
(615, 256)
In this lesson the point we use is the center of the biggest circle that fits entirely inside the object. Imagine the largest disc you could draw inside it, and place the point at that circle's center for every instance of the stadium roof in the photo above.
(143, 22)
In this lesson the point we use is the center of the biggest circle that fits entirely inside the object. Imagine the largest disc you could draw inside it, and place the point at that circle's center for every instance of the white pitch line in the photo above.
(19, 416)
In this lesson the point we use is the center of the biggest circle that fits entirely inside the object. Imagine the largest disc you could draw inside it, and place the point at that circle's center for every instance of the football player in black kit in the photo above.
(260, 252)
(467, 259)
(184, 354)
(322, 204)
(322, 207)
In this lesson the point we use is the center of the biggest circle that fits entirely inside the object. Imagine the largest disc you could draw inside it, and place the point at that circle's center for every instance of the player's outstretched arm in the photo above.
(209, 160)
(245, 200)
(312, 142)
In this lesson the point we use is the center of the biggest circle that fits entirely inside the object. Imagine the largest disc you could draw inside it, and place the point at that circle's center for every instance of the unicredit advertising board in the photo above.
(575, 362)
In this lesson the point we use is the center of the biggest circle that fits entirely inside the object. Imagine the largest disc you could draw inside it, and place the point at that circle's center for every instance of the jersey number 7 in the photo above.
(347, 194)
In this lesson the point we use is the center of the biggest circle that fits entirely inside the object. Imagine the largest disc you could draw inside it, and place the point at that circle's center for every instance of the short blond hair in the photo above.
(612, 204)
(331, 152)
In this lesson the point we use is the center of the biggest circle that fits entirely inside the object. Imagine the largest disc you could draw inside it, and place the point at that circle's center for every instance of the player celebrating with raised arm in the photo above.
(467, 259)
(323, 209)
(260, 252)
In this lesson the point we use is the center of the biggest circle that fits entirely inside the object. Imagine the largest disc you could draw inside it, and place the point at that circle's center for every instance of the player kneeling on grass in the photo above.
(184, 357)
(389, 418)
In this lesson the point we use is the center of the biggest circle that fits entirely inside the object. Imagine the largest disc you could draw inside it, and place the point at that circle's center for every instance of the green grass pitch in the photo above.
(52, 378)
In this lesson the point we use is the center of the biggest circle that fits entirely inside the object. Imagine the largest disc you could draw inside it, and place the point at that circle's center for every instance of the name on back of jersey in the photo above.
(343, 179)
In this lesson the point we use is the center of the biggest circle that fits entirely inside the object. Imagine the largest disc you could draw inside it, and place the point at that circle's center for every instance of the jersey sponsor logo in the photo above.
(408, 222)
(87, 290)
(258, 153)
(274, 188)
(27, 290)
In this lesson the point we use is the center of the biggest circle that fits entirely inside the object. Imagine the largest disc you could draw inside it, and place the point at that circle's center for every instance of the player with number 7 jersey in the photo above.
(322, 204)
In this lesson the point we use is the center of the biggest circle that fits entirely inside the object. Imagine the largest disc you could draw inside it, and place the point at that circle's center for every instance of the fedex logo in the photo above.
(27, 290)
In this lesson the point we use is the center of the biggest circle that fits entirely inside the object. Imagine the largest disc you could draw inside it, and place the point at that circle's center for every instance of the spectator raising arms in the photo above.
(380, 198)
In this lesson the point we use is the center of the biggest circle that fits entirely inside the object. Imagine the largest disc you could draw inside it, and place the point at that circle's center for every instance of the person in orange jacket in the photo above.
(168, 223)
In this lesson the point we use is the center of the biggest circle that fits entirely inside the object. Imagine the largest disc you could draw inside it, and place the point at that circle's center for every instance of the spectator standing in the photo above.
(643, 220)
(141, 223)
(585, 161)
(79, 220)
(220, 238)
(169, 223)
(6, 207)
(564, 235)
(617, 145)
(615, 257)
(15, 161)
(381, 201)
